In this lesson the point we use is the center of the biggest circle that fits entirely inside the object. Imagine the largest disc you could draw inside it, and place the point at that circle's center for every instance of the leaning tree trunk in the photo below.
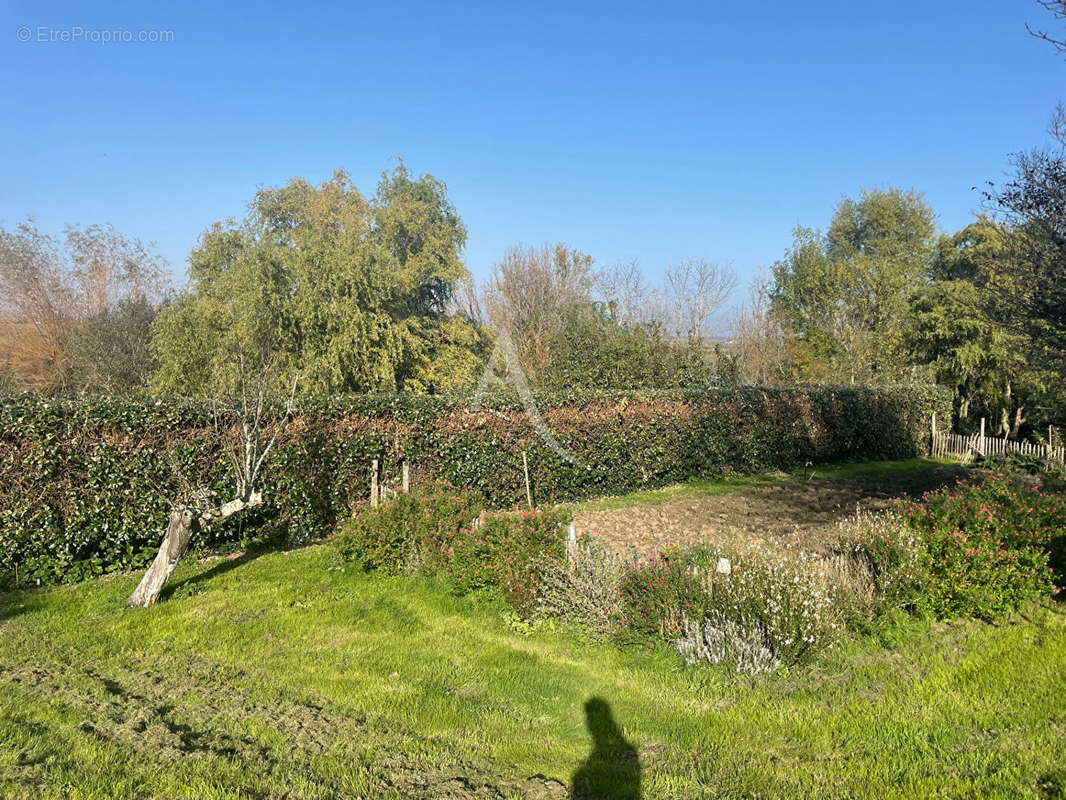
(175, 542)
(183, 523)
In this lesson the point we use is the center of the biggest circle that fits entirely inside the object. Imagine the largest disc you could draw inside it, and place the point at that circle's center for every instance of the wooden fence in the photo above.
(967, 448)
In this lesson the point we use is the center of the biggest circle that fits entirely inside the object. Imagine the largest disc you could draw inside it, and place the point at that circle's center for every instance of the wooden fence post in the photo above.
(406, 477)
(525, 471)
(374, 483)
(932, 440)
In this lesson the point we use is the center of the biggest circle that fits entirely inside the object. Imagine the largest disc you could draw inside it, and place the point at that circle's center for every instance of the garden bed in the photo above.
(800, 515)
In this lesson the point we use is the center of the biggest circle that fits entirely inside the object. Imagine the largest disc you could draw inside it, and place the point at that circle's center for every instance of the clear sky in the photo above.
(629, 130)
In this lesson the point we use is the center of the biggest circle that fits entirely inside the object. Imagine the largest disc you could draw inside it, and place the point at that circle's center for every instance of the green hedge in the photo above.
(83, 482)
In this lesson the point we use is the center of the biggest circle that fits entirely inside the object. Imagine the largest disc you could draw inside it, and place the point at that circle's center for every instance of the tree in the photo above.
(695, 290)
(109, 353)
(53, 292)
(245, 411)
(762, 346)
(845, 294)
(623, 289)
(1058, 11)
(593, 350)
(953, 333)
(37, 302)
(355, 290)
(1030, 292)
(528, 293)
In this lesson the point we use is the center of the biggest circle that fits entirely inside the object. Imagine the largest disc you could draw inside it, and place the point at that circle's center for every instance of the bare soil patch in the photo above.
(802, 515)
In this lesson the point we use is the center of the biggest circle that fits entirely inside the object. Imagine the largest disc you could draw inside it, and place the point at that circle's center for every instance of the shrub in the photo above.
(1024, 463)
(986, 545)
(980, 548)
(896, 561)
(585, 588)
(741, 643)
(788, 597)
(504, 552)
(659, 593)
(407, 532)
(764, 610)
(79, 476)
(438, 529)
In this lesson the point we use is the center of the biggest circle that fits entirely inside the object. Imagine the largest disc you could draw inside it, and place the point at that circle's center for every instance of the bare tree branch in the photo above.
(1058, 10)
(238, 426)
(697, 288)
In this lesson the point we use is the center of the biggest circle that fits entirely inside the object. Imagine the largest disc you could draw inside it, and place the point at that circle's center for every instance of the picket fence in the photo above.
(967, 448)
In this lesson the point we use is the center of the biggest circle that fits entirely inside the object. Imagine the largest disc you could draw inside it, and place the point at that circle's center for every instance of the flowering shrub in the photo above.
(788, 597)
(985, 545)
(503, 552)
(980, 548)
(585, 589)
(407, 533)
(896, 560)
(658, 593)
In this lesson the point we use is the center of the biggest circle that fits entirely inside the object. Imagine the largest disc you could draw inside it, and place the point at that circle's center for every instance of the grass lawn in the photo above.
(278, 676)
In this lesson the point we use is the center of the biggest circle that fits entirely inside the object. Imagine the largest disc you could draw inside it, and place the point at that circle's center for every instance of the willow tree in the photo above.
(355, 289)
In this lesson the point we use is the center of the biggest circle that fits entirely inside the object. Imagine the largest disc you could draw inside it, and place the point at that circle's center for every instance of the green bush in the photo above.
(84, 481)
(978, 549)
(585, 589)
(986, 545)
(442, 531)
(409, 532)
(898, 564)
(658, 594)
(503, 551)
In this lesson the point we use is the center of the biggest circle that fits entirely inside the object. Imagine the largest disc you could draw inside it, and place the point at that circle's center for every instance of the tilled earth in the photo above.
(804, 515)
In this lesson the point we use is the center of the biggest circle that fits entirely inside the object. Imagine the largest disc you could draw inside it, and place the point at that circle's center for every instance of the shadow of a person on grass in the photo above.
(612, 770)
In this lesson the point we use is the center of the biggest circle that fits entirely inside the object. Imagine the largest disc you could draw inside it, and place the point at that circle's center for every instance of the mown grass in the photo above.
(286, 676)
(710, 487)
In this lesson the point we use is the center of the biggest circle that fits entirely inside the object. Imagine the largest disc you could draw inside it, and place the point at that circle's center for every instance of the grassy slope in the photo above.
(281, 677)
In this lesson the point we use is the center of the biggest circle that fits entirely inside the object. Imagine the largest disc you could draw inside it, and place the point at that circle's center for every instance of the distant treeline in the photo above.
(370, 294)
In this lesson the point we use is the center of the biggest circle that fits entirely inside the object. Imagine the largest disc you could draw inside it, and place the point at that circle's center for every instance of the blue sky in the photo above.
(631, 131)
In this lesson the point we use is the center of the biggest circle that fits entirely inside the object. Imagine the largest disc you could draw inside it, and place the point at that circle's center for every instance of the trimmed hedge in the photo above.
(83, 481)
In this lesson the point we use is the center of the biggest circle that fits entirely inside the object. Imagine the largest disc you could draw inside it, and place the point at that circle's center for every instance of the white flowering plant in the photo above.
(894, 555)
(785, 603)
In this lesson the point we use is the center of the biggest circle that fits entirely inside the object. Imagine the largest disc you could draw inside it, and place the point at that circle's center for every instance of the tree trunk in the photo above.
(175, 542)
(184, 522)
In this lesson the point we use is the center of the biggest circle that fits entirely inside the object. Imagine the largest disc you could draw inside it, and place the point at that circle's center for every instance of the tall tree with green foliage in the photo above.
(845, 294)
(350, 290)
(953, 333)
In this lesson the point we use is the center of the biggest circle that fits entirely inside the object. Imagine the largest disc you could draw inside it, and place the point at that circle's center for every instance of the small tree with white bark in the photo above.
(242, 417)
